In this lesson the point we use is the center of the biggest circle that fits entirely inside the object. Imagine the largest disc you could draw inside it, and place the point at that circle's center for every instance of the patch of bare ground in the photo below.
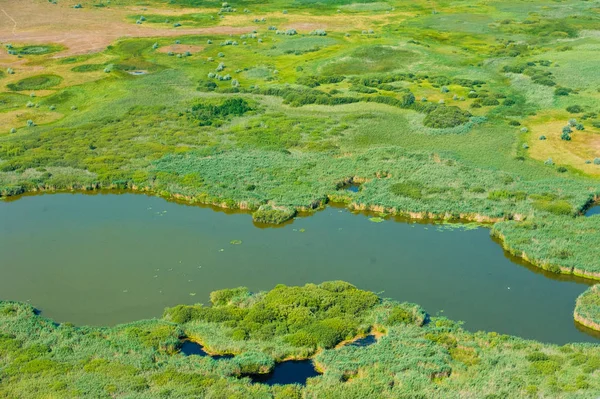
(81, 31)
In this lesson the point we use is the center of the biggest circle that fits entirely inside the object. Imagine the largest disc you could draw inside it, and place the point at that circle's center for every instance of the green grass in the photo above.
(38, 82)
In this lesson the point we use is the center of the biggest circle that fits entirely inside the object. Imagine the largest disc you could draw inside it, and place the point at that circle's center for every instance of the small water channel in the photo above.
(108, 259)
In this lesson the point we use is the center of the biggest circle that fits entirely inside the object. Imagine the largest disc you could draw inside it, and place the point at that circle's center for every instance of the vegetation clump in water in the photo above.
(587, 308)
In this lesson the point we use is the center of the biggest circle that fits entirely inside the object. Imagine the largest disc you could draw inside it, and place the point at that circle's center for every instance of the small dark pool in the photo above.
(290, 372)
(365, 341)
(352, 187)
(190, 348)
(595, 210)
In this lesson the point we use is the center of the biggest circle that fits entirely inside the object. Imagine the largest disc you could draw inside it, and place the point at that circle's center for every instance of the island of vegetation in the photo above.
(415, 355)
(587, 308)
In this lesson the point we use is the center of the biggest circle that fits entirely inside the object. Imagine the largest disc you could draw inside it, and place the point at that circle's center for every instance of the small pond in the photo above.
(190, 348)
(108, 259)
(354, 187)
(289, 372)
(594, 210)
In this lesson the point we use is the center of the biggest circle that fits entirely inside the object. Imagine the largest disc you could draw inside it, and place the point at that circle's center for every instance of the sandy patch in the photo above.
(18, 118)
(180, 48)
(82, 31)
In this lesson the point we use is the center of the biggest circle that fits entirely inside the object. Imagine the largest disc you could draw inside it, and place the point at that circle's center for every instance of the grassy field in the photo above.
(415, 353)
(481, 110)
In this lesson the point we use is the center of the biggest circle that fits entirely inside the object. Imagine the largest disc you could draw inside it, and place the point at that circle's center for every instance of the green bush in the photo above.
(442, 117)
(409, 189)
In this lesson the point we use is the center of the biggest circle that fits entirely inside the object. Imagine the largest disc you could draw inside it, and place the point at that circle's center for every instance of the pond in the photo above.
(107, 259)
(190, 348)
(594, 210)
(288, 372)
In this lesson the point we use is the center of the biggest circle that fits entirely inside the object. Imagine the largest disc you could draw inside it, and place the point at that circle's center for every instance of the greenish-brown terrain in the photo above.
(487, 111)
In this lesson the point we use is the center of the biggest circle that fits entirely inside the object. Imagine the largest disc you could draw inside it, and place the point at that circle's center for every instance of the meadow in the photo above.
(468, 110)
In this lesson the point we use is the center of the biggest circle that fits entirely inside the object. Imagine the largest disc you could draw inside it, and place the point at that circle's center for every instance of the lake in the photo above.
(105, 259)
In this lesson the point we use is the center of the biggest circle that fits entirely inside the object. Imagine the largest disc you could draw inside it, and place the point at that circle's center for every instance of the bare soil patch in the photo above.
(83, 30)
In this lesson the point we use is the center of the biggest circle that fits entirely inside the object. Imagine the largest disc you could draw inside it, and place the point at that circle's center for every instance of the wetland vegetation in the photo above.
(482, 111)
(415, 354)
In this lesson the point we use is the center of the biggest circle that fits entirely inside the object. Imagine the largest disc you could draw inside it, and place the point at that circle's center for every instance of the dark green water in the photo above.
(107, 259)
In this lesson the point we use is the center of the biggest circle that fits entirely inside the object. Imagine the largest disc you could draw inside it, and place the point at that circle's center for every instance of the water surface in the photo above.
(595, 210)
(190, 348)
(108, 259)
(289, 372)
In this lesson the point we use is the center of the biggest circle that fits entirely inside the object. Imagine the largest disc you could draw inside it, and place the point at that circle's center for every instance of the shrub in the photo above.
(562, 91)
(566, 136)
(444, 117)
(574, 109)
(210, 114)
(556, 207)
(542, 137)
(596, 161)
(537, 357)
(269, 215)
(409, 189)
(488, 102)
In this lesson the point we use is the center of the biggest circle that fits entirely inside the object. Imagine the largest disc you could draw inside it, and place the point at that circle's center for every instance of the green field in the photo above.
(470, 110)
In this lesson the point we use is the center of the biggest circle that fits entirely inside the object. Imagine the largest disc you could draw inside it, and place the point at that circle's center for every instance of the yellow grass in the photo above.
(584, 145)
